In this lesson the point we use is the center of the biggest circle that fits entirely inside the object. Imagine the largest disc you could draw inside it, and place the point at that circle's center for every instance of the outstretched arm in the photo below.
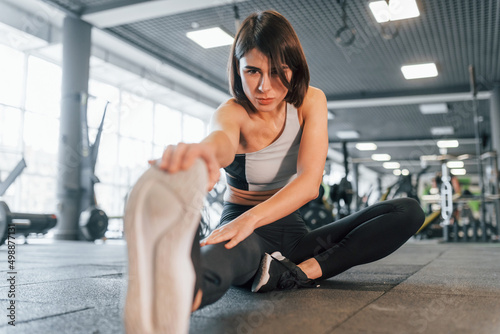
(217, 149)
(304, 188)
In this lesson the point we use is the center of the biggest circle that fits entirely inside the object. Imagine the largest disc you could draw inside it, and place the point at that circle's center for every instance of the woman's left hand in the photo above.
(235, 231)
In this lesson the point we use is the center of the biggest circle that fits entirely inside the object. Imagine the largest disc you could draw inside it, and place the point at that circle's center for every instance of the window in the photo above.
(43, 90)
(193, 129)
(12, 76)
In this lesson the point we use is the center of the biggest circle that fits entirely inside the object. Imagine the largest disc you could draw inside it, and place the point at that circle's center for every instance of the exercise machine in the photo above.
(93, 220)
(15, 223)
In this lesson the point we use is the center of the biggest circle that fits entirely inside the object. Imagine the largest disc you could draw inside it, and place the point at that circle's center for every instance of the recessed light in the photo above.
(403, 9)
(447, 143)
(459, 171)
(442, 130)
(348, 134)
(395, 10)
(419, 71)
(433, 108)
(381, 157)
(455, 164)
(396, 172)
(366, 146)
(405, 172)
(210, 38)
(391, 165)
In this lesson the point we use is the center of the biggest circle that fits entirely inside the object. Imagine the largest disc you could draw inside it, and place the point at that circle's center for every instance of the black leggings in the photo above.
(365, 236)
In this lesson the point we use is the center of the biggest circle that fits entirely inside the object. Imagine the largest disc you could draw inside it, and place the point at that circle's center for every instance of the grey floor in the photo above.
(425, 287)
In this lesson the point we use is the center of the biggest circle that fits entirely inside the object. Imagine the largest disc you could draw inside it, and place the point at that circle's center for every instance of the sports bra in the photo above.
(272, 167)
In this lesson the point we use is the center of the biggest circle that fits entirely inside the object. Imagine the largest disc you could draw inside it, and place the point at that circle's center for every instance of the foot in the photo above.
(161, 218)
(276, 272)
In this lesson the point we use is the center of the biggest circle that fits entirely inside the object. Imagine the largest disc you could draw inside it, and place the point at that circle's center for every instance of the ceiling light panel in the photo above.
(210, 38)
(433, 108)
(366, 146)
(419, 71)
(395, 10)
(391, 165)
(447, 143)
(349, 134)
(442, 130)
(381, 157)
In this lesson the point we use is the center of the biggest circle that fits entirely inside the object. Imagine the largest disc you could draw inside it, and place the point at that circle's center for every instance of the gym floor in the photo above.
(425, 287)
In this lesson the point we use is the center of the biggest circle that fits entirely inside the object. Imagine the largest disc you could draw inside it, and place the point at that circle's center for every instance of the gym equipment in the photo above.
(24, 223)
(93, 221)
(342, 194)
(315, 213)
(4, 185)
(345, 29)
(457, 222)
(478, 148)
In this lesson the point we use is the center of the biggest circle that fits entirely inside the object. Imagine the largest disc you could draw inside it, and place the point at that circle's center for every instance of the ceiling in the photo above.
(366, 74)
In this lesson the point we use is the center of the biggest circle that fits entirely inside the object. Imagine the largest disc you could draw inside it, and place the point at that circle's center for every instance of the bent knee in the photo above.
(413, 215)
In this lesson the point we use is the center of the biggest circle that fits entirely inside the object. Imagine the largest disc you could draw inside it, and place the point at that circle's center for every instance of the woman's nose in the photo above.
(265, 83)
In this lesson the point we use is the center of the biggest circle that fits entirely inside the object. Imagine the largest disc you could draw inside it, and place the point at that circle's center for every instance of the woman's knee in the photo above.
(414, 216)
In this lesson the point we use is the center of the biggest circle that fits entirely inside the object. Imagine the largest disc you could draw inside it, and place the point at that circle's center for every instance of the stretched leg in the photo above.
(161, 217)
(219, 268)
(365, 236)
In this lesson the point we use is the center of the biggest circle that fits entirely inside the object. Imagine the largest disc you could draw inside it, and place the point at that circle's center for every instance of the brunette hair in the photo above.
(272, 34)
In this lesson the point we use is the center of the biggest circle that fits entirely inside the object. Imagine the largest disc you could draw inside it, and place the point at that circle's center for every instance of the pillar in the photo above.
(75, 77)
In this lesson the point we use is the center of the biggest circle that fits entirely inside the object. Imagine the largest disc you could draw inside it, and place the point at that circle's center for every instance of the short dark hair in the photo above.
(272, 34)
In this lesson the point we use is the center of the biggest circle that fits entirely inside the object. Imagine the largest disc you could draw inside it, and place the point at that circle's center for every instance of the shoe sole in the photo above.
(159, 227)
(262, 274)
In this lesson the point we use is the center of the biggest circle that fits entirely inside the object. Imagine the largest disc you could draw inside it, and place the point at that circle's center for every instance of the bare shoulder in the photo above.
(231, 111)
(314, 102)
(314, 96)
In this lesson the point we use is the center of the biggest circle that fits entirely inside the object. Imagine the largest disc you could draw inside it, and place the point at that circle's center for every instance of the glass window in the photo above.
(38, 195)
(107, 159)
(167, 126)
(43, 91)
(100, 94)
(193, 129)
(41, 133)
(12, 76)
(136, 117)
(10, 127)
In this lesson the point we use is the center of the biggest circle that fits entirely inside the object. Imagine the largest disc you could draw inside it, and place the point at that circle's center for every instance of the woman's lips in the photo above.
(265, 101)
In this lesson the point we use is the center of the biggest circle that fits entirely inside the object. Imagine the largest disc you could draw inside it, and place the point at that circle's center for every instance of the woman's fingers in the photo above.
(182, 156)
(217, 236)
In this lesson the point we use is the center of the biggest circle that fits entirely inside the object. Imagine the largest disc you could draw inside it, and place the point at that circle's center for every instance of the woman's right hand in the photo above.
(182, 156)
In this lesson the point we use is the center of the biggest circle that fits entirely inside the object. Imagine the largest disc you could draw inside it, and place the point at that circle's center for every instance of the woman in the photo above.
(272, 140)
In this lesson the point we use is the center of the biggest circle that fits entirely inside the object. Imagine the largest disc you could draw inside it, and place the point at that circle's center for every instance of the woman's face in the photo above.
(261, 83)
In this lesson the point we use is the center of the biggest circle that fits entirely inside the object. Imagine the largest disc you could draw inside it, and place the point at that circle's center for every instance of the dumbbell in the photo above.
(316, 215)
(24, 223)
(93, 223)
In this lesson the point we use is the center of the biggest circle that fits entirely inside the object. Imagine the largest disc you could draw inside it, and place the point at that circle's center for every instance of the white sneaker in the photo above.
(161, 218)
